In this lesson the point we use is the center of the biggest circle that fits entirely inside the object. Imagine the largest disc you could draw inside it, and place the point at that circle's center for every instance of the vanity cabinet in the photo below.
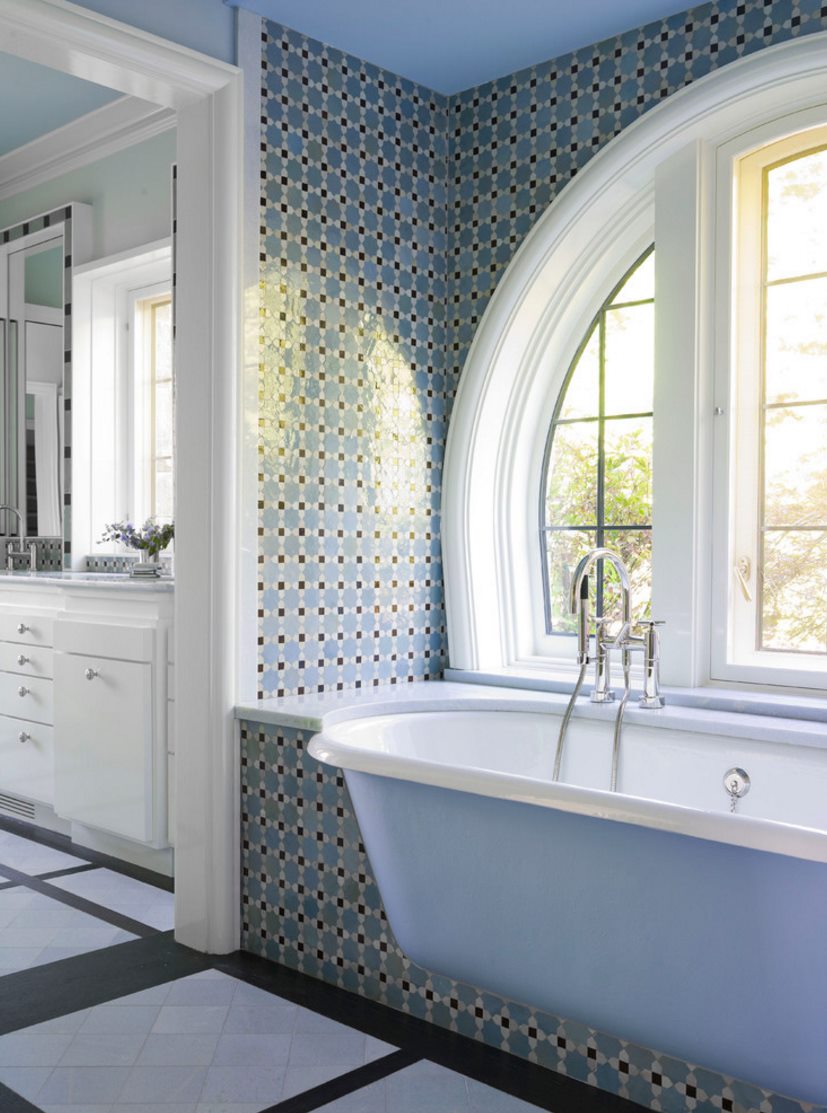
(27, 699)
(84, 703)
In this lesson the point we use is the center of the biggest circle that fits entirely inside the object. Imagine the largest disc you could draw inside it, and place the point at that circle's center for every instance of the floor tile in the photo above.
(37, 929)
(191, 1049)
(136, 899)
(158, 1084)
(83, 1085)
(30, 857)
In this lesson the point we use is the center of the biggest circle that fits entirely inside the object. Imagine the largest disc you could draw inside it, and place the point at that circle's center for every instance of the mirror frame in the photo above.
(71, 221)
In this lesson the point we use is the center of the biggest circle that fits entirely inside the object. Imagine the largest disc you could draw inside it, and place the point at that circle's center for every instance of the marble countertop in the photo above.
(316, 712)
(120, 581)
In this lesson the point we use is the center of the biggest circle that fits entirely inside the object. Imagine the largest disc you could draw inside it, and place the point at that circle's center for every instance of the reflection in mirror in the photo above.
(32, 310)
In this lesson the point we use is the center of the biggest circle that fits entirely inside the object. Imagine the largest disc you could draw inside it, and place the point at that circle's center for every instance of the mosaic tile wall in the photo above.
(516, 142)
(389, 214)
(310, 902)
(354, 398)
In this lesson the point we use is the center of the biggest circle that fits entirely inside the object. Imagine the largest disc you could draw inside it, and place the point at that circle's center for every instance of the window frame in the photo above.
(738, 379)
(598, 323)
(531, 329)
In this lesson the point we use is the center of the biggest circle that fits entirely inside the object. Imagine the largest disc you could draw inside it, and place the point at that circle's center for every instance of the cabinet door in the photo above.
(103, 750)
(26, 759)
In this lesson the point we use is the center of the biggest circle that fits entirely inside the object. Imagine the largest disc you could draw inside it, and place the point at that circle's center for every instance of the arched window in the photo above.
(598, 466)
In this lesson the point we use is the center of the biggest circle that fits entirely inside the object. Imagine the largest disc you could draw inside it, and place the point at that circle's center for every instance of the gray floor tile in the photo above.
(103, 1049)
(255, 1051)
(163, 1084)
(191, 1049)
(297, 1079)
(24, 1080)
(240, 1084)
(346, 1050)
(33, 1049)
(485, 1099)
(191, 1018)
(110, 1018)
(83, 1085)
(30, 857)
(136, 899)
(261, 1019)
(370, 1099)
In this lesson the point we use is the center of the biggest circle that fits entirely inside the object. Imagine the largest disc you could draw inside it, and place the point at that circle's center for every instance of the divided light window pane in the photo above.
(793, 512)
(598, 479)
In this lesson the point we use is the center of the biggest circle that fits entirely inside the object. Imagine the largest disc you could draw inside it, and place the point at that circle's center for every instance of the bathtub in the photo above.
(652, 914)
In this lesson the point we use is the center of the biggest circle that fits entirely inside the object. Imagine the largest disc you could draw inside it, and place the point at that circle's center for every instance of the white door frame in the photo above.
(207, 96)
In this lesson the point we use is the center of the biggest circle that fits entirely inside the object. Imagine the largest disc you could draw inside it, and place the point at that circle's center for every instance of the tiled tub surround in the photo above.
(311, 903)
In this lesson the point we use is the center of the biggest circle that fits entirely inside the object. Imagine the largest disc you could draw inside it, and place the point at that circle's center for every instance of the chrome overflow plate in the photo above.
(737, 784)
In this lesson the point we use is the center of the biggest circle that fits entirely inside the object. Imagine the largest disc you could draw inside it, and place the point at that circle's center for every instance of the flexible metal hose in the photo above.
(564, 726)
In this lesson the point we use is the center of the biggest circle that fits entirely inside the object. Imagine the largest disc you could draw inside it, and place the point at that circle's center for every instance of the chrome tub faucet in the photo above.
(648, 643)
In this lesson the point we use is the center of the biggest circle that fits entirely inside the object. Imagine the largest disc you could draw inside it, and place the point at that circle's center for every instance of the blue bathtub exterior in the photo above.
(710, 952)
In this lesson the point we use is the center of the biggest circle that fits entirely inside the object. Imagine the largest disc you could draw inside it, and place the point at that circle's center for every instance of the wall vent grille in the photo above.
(13, 806)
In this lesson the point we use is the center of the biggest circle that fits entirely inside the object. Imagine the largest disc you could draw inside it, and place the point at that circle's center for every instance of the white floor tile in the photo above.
(136, 899)
(30, 857)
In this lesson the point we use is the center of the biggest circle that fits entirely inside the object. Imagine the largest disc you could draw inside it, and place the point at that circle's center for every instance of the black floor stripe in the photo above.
(344, 1084)
(499, 1069)
(12, 1102)
(125, 923)
(57, 841)
(57, 988)
(52, 874)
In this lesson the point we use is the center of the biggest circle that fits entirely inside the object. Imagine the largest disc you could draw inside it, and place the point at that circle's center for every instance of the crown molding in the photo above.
(94, 136)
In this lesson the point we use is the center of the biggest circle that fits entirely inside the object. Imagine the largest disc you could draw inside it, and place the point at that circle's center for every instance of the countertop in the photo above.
(120, 581)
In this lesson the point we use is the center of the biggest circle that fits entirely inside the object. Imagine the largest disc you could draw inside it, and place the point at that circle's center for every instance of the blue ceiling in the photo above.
(450, 45)
(35, 100)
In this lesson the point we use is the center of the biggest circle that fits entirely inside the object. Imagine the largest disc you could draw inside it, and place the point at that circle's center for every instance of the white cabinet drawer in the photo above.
(26, 627)
(104, 775)
(27, 660)
(27, 697)
(104, 639)
(27, 759)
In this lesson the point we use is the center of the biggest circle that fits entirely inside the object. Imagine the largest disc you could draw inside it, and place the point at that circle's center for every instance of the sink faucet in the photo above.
(11, 552)
(624, 640)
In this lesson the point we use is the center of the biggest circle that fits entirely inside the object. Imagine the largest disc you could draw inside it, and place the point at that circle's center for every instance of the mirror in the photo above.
(35, 385)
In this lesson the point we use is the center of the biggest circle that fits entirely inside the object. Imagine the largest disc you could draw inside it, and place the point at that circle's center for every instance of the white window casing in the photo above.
(658, 181)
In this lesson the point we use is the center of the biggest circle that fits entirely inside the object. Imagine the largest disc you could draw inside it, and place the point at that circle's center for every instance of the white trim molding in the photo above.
(206, 96)
(529, 334)
(107, 130)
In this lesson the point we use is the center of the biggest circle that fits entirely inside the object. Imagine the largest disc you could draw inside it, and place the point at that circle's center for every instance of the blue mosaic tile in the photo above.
(354, 399)
(388, 216)
(309, 901)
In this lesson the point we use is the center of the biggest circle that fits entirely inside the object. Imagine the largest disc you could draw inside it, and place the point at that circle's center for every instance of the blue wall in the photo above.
(204, 25)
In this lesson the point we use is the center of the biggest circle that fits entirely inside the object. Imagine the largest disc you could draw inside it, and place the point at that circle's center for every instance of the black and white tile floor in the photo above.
(102, 1012)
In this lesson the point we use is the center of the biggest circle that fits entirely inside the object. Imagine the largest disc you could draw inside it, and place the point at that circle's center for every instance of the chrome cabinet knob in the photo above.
(24, 736)
(90, 674)
(22, 628)
(22, 659)
(22, 690)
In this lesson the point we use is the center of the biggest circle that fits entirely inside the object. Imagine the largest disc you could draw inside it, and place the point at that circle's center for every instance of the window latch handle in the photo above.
(743, 574)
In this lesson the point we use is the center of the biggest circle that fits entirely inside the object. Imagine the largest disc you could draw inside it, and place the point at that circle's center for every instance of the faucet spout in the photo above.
(579, 595)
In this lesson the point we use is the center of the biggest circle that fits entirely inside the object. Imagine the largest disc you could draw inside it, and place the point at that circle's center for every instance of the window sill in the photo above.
(560, 678)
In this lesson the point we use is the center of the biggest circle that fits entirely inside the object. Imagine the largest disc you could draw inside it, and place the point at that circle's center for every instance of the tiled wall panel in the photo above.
(516, 142)
(354, 397)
